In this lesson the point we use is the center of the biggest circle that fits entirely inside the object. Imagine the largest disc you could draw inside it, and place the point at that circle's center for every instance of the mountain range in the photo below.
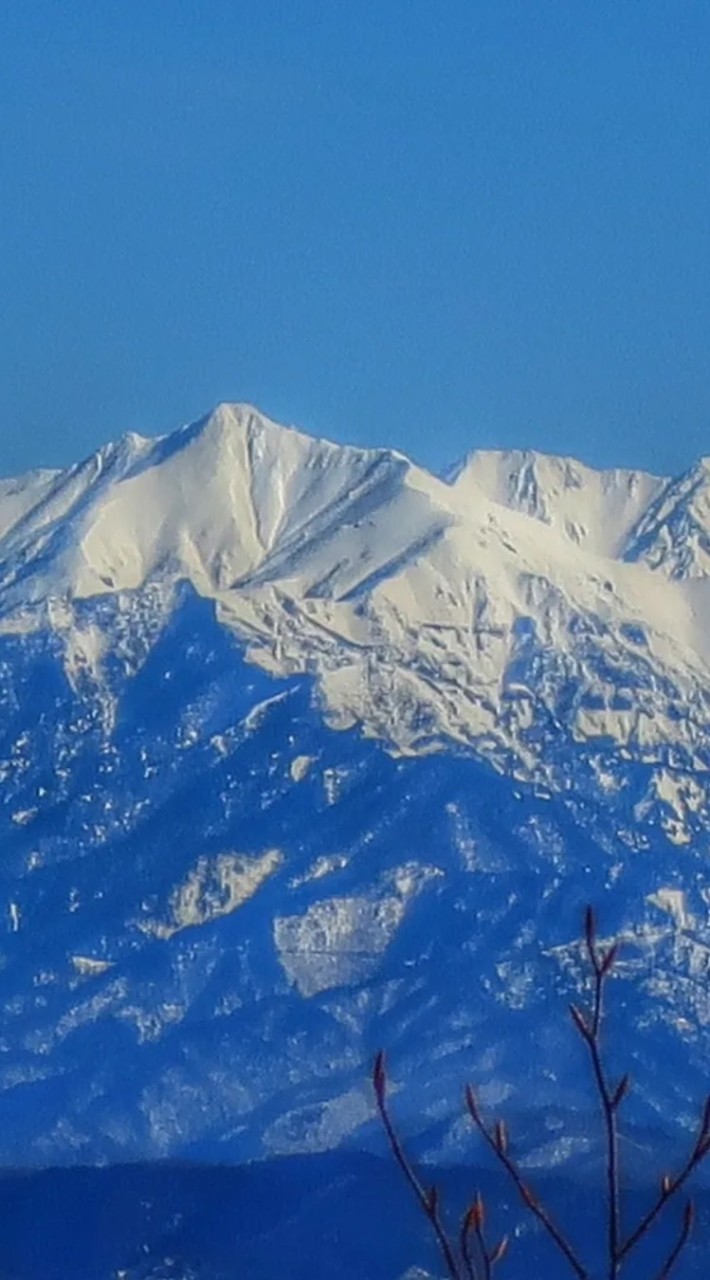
(305, 751)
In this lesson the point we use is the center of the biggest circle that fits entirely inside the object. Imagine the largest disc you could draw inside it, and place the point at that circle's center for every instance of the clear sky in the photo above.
(435, 224)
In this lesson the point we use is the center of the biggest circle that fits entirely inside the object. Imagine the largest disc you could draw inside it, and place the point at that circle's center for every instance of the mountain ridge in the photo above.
(304, 751)
(133, 454)
(331, 558)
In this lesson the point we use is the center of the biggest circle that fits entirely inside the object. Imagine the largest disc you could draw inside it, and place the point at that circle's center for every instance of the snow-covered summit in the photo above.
(235, 498)
(217, 502)
(411, 597)
(595, 509)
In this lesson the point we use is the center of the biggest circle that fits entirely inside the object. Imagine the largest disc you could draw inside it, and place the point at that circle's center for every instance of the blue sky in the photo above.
(431, 225)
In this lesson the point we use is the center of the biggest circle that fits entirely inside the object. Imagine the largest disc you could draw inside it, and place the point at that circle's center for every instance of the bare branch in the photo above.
(621, 1091)
(483, 1251)
(686, 1228)
(465, 1241)
(527, 1196)
(580, 1022)
(469, 1267)
(429, 1200)
(670, 1186)
(609, 1102)
(473, 1223)
(478, 1262)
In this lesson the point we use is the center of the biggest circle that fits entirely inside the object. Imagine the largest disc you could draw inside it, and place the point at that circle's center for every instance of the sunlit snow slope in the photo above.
(413, 599)
(304, 750)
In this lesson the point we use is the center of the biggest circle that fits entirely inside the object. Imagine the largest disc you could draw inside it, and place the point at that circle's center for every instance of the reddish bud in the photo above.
(580, 1021)
(499, 1251)
(609, 958)
(501, 1137)
(432, 1201)
(590, 928)
(471, 1102)
(688, 1216)
(621, 1091)
(475, 1215)
(528, 1196)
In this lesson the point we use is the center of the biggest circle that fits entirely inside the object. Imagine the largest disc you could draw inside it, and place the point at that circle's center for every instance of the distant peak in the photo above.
(229, 413)
(235, 418)
(537, 460)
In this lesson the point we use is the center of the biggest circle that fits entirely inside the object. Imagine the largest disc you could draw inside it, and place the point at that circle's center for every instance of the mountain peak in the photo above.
(216, 502)
(233, 420)
(594, 509)
(236, 418)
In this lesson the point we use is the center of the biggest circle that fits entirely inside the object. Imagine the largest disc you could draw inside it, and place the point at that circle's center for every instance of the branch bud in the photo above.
(665, 1185)
(621, 1091)
(475, 1215)
(608, 961)
(580, 1022)
(528, 1196)
(471, 1102)
(499, 1251)
(501, 1137)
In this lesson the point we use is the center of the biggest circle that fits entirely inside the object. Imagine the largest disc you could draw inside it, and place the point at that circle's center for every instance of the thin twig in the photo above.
(429, 1201)
(589, 1025)
(497, 1144)
(670, 1186)
(681, 1242)
(470, 1270)
(473, 1223)
(484, 1252)
(591, 1034)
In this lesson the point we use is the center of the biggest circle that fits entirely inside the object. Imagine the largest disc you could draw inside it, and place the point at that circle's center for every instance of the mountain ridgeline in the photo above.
(304, 751)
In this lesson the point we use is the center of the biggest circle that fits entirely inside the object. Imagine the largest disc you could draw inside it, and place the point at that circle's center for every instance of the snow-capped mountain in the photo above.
(412, 599)
(304, 750)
